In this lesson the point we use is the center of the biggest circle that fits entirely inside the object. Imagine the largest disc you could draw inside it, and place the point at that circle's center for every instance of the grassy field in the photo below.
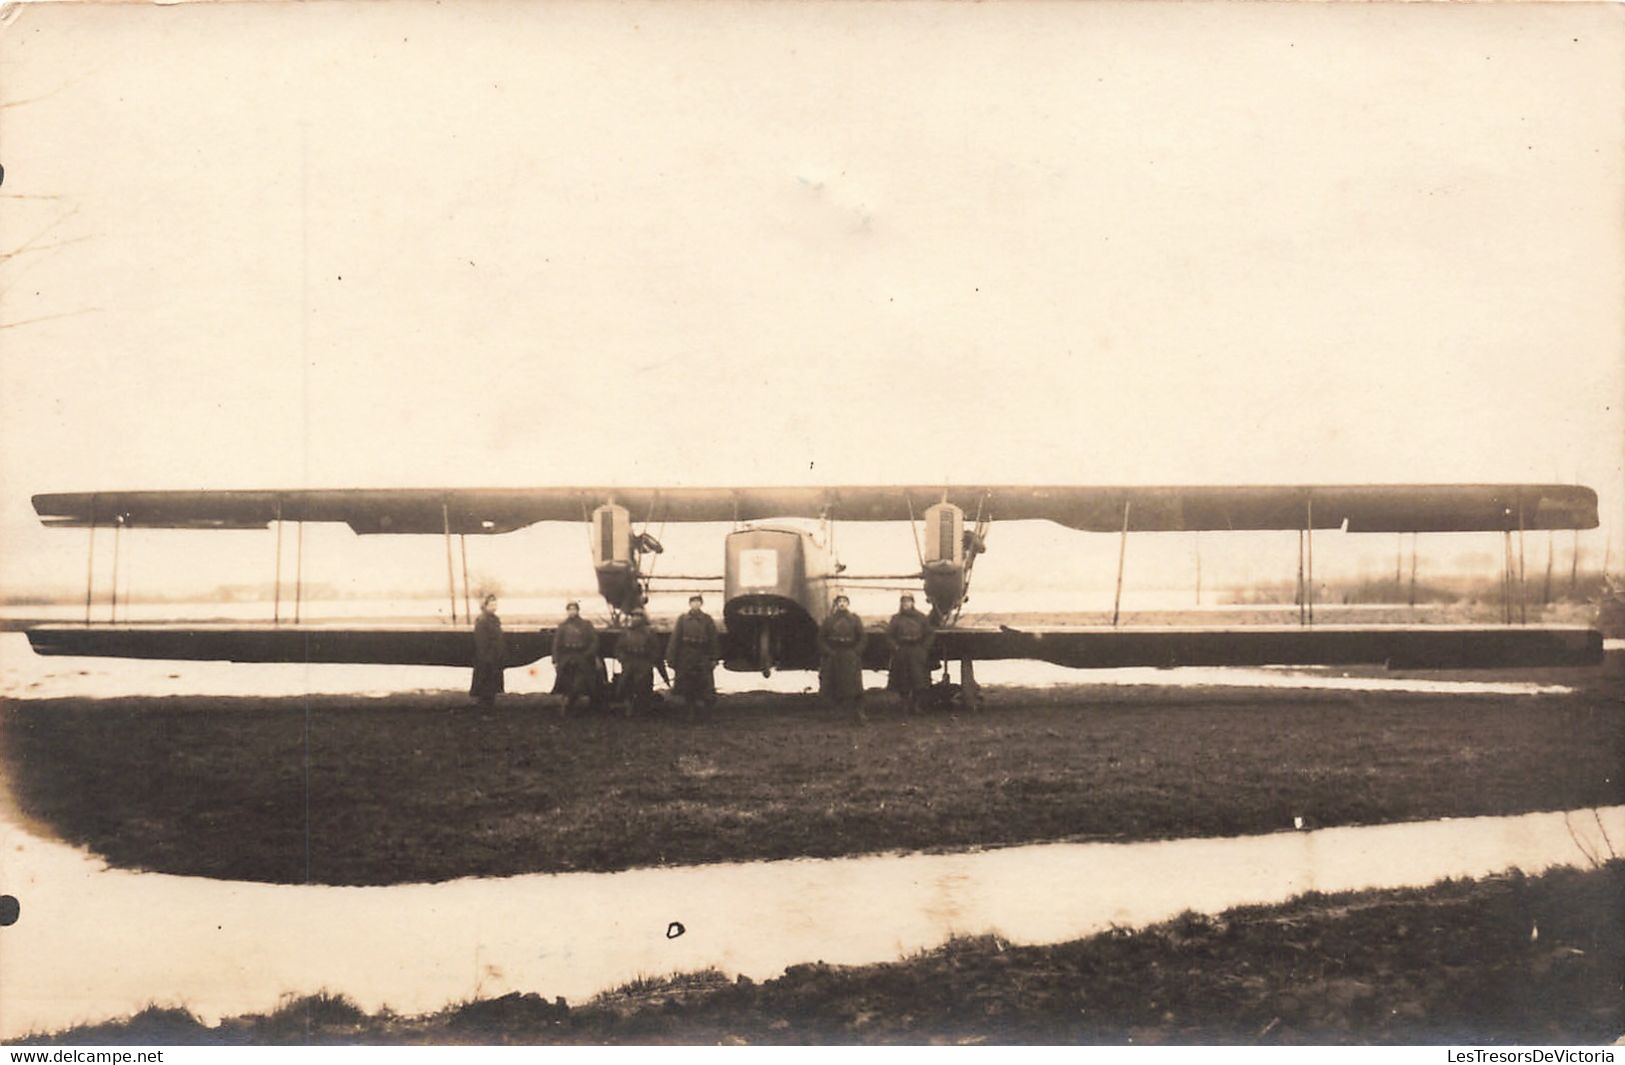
(345, 790)
(1506, 960)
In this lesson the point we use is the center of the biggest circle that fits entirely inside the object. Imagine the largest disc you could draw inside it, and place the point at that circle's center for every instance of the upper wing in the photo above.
(1358, 508)
(1428, 647)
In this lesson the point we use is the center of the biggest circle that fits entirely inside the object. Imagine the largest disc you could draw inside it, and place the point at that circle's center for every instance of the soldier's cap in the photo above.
(572, 603)
(906, 597)
(696, 599)
(843, 599)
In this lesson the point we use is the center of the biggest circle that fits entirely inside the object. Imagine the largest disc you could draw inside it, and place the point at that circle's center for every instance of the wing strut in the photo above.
(1523, 587)
(1300, 577)
(1574, 564)
(1306, 565)
(276, 594)
(1413, 571)
(468, 603)
(1198, 551)
(1399, 564)
(914, 528)
(1122, 554)
(90, 565)
(298, 568)
(1506, 576)
(1309, 537)
(451, 581)
(112, 603)
(1546, 589)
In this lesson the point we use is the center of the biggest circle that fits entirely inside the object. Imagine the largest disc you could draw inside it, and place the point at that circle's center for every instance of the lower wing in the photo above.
(1428, 647)
(1398, 647)
(422, 646)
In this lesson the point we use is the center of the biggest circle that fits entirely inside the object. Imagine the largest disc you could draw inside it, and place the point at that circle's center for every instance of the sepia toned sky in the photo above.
(333, 244)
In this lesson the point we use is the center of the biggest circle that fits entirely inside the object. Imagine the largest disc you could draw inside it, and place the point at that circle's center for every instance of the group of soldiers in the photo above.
(841, 640)
(693, 650)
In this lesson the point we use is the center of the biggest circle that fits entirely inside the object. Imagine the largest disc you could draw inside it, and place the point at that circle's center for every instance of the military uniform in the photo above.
(910, 634)
(575, 661)
(693, 652)
(638, 650)
(490, 655)
(840, 647)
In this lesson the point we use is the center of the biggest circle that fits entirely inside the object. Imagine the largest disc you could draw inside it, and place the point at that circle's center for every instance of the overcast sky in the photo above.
(334, 244)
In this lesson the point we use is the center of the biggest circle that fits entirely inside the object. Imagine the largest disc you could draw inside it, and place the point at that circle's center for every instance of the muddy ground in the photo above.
(342, 790)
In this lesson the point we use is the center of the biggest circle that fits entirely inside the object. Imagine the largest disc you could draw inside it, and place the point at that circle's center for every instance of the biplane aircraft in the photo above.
(780, 574)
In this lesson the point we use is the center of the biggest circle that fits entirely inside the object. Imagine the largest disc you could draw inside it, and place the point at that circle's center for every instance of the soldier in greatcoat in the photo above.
(576, 668)
(693, 651)
(910, 634)
(638, 652)
(490, 654)
(840, 648)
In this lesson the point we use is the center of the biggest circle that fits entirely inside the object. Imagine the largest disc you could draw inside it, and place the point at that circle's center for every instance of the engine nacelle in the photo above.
(613, 558)
(943, 556)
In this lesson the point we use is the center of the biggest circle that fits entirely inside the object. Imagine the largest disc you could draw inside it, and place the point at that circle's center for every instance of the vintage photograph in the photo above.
(812, 523)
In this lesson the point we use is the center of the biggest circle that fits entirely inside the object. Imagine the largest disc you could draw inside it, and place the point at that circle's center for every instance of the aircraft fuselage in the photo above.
(776, 591)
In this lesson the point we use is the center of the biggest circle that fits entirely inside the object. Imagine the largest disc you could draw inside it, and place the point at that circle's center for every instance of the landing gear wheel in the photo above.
(764, 650)
(970, 691)
(942, 695)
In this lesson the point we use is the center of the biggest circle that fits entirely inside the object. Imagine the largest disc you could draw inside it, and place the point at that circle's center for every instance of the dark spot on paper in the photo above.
(673, 930)
(10, 908)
